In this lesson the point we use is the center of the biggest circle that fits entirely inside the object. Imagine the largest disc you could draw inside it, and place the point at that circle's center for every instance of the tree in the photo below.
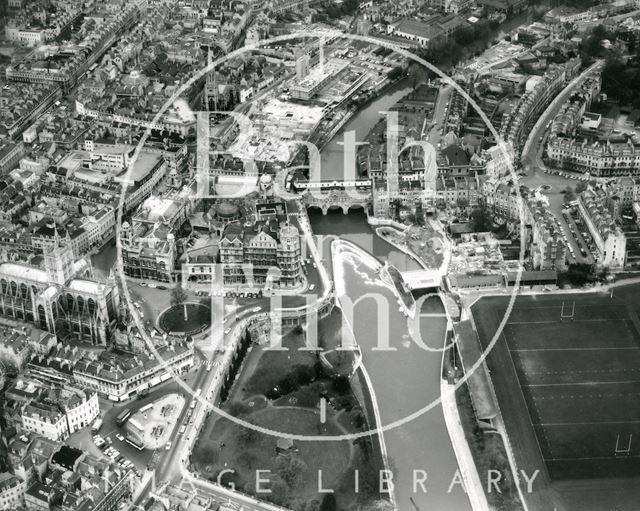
(328, 503)
(312, 505)
(291, 469)
(304, 374)
(481, 219)
(178, 296)
(569, 194)
(341, 384)
(418, 74)
(465, 35)
(279, 491)
(248, 436)
(395, 73)
(581, 187)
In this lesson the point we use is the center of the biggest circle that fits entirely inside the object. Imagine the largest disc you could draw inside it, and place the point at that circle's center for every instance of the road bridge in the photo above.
(337, 199)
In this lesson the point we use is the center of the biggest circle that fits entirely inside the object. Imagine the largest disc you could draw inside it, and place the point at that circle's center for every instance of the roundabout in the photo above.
(185, 318)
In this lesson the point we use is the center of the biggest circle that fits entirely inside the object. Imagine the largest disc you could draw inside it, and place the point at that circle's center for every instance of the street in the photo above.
(535, 168)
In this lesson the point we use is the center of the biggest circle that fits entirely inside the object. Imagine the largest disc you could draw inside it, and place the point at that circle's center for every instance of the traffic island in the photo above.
(187, 318)
(151, 426)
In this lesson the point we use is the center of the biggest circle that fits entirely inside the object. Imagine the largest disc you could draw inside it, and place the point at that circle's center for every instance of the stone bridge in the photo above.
(337, 199)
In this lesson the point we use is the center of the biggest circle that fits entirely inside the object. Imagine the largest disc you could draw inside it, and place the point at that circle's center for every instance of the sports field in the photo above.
(571, 363)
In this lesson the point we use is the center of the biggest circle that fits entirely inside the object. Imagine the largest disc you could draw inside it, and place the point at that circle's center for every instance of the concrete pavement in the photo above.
(468, 470)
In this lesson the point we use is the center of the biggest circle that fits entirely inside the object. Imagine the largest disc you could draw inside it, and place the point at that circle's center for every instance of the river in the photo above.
(404, 380)
(407, 379)
(332, 155)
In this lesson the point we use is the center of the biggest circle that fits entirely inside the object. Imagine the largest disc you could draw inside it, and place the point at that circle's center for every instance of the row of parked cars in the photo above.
(106, 445)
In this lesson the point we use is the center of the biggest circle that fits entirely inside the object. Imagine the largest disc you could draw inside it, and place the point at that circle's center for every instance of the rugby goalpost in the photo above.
(625, 448)
(568, 314)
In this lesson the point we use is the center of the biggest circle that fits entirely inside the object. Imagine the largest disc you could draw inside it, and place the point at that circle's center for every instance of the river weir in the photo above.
(405, 378)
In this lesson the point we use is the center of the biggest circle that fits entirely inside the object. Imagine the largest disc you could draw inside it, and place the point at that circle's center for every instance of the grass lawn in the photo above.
(578, 377)
(230, 445)
(271, 365)
(301, 381)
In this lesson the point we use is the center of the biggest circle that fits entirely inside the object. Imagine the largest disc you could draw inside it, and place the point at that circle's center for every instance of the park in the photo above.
(293, 392)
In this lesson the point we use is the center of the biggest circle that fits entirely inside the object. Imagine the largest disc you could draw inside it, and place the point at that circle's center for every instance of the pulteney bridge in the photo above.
(336, 199)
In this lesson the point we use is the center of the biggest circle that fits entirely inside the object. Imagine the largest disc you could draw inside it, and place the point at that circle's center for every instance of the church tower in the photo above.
(59, 264)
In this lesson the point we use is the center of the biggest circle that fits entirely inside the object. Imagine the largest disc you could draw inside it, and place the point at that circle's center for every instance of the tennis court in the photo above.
(577, 365)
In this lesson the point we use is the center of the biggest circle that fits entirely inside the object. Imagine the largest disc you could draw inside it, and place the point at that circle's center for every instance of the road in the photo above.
(532, 151)
(109, 427)
(172, 464)
(439, 115)
(600, 21)
(532, 161)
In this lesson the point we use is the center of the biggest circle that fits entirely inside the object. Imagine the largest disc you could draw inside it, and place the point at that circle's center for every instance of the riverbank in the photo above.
(415, 435)
(466, 463)
(384, 89)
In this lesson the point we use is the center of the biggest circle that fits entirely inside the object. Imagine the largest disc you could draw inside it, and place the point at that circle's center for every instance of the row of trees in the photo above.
(466, 41)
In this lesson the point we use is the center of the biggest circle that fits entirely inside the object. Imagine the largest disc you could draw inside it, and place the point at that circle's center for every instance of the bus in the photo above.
(123, 416)
(136, 443)
(97, 424)
(146, 407)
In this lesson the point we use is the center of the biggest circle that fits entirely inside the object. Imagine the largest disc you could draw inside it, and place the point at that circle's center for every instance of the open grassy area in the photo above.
(281, 391)
(272, 365)
(575, 359)
(230, 445)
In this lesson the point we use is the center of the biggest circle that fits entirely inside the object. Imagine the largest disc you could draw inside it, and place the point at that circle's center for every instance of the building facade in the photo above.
(263, 254)
(62, 299)
(595, 209)
(598, 159)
